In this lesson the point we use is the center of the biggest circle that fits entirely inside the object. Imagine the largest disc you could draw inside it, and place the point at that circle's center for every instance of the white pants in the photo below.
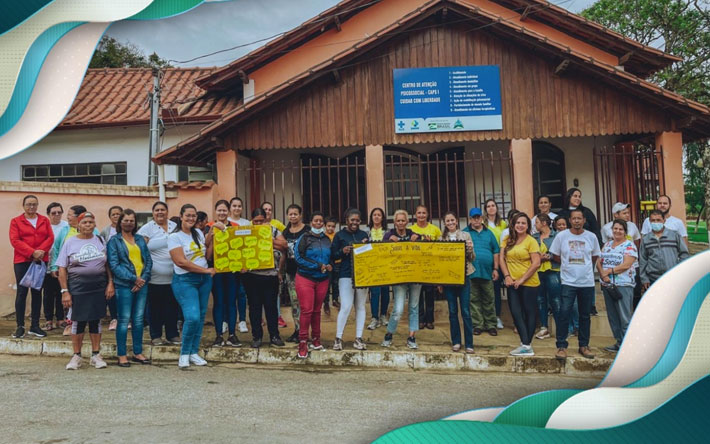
(347, 294)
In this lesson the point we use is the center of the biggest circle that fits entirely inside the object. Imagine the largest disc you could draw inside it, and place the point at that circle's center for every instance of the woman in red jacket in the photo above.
(31, 236)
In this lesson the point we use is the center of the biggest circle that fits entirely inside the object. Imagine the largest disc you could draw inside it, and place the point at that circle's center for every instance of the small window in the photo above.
(107, 173)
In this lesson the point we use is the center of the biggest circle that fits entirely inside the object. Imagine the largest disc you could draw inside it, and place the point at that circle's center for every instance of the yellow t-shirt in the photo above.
(71, 233)
(546, 265)
(518, 259)
(277, 224)
(430, 230)
(377, 234)
(497, 229)
(134, 254)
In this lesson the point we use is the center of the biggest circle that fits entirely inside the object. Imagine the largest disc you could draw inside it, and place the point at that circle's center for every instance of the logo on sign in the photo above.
(415, 124)
(458, 124)
(400, 124)
(432, 126)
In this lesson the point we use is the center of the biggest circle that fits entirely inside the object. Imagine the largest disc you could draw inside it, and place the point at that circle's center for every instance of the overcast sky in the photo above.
(216, 26)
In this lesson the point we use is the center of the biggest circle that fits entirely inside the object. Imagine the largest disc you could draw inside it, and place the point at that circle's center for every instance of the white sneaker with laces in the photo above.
(184, 361)
(197, 359)
(97, 361)
(373, 324)
(74, 363)
(243, 327)
(499, 324)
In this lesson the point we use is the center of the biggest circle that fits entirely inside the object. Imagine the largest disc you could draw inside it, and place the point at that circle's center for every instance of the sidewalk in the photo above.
(434, 352)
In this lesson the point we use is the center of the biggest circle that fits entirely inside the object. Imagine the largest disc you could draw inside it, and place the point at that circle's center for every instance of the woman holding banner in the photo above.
(430, 232)
(379, 296)
(456, 295)
(400, 233)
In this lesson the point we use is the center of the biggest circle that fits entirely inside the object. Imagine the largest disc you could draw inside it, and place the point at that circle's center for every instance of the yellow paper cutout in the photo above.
(249, 253)
(250, 241)
(221, 248)
(237, 242)
(252, 264)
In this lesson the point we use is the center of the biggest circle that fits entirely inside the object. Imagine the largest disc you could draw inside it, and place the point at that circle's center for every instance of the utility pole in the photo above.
(155, 171)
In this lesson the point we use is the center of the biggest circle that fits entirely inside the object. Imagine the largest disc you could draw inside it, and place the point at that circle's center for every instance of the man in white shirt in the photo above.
(671, 222)
(577, 251)
(622, 211)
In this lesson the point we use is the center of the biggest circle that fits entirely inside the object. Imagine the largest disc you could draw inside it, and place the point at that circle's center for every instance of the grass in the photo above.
(701, 235)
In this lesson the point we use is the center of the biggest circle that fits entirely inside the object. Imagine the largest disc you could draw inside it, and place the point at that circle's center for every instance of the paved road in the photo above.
(43, 403)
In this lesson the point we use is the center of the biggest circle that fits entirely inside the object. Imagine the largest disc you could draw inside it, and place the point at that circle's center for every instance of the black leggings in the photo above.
(523, 306)
(163, 311)
(53, 307)
(21, 297)
(261, 294)
(94, 327)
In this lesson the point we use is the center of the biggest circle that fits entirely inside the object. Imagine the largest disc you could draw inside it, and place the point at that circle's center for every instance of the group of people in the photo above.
(162, 274)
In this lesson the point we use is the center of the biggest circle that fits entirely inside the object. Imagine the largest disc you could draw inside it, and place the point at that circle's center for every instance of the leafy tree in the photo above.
(681, 28)
(111, 53)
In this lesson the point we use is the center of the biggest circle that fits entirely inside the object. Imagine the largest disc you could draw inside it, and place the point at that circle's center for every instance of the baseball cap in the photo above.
(619, 207)
(475, 211)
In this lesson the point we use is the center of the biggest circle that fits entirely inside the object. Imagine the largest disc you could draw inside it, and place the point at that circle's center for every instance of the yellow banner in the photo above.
(392, 263)
(245, 247)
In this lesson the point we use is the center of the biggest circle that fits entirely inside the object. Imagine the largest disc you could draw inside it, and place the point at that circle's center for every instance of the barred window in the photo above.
(102, 173)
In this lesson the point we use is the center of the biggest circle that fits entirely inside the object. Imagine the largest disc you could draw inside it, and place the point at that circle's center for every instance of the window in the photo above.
(196, 174)
(104, 173)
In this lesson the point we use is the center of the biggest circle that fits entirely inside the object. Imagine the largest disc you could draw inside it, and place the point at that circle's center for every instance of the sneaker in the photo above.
(74, 363)
(130, 325)
(293, 338)
(113, 324)
(338, 344)
(384, 320)
(303, 349)
(67, 330)
(225, 327)
(175, 340)
(561, 354)
(316, 345)
(184, 361)
(256, 343)
(523, 350)
(97, 361)
(612, 348)
(586, 352)
(197, 359)
(218, 342)
(359, 344)
(470, 350)
(373, 324)
(233, 341)
(49, 326)
(20, 332)
(243, 327)
(544, 333)
(499, 324)
(388, 340)
(594, 311)
(412, 342)
(277, 341)
(456, 348)
(157, 341)
(282, 323)
(36, 331)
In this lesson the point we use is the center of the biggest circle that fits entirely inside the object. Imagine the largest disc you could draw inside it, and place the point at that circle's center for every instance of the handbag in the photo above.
(34, 277)
(613, 290)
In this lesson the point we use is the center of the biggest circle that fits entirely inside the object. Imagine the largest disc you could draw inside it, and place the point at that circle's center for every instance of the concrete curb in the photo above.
(407, 360)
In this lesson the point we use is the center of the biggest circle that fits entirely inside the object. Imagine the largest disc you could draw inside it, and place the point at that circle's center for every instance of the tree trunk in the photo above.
(706, 167)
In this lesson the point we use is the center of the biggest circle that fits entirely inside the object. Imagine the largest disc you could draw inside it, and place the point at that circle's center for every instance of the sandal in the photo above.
(456, 347)
(49, 326)
(469, 350)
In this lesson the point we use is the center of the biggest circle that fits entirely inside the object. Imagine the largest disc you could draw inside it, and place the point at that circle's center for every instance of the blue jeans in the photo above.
(241, 302)
(224, 305)
(131, 307)
(456, 296)
(192, 291)
(584, 297)
(400, 293)
(377, 295)
(549, 296)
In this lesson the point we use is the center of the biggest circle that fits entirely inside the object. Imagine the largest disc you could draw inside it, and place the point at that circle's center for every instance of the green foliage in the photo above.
(111, 53)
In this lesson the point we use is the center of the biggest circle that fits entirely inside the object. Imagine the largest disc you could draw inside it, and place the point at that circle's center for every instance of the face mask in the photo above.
(317, 230)
(656, 226)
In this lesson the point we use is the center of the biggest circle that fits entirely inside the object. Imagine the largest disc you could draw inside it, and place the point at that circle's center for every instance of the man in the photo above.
(577, 250)
(622, 211)
(671, 222)
(483, 312)
(661, 250)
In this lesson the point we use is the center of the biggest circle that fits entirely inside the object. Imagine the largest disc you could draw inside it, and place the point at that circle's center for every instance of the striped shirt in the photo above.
(659, 254)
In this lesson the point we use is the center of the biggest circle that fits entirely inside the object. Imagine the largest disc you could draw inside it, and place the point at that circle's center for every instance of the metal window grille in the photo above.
(101, 173)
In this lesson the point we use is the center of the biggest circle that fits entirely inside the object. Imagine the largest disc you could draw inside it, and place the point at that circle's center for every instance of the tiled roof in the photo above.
(119, 97)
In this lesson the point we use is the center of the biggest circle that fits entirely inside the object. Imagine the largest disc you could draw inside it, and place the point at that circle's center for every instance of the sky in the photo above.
(219, 25)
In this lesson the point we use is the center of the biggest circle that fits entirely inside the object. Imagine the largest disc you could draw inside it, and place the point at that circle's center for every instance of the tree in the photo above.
(111, 53)
(681, 28)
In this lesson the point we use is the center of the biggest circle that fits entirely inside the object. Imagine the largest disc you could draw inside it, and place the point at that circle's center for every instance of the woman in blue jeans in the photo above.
(460, 295)
(130, 262)
(192, 281)
(548, 296)
(379, 296)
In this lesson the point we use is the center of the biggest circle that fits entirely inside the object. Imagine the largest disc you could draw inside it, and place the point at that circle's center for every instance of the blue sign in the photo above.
(454, 98)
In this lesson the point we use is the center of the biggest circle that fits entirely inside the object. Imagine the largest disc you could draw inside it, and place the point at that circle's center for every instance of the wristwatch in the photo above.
(64, 290)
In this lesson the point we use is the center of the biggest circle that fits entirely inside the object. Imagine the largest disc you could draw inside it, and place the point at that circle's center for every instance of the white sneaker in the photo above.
(74, 363)
(523, 350)
(197, 359)
(243, 327)
(225, 327)
(544, 333)
(383, 320)
(184, 361)
(373, 324)
(98, 362)
(499, 324)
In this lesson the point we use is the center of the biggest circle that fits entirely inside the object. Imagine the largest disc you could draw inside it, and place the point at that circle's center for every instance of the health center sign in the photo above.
(454, 98)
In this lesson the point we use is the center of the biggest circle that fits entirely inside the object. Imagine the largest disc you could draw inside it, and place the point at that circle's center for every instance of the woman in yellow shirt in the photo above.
(427, 232)
(496, 225)
(520, 260)
(379, 296)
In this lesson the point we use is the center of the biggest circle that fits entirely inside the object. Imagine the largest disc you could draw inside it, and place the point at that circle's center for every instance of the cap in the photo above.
(619, 207)
(83, 215)
(475, 211)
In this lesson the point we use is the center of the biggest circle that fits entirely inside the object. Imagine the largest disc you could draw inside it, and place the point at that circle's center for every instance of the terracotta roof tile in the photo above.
(119, 97)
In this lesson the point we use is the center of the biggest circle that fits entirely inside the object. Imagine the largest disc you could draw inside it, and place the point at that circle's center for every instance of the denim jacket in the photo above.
(124, 273)
(311, 251)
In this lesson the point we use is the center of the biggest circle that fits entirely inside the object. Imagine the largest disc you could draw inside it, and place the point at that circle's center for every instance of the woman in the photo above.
(379, 296)
(342, 249)
(106, 234)
(130, 262)
(52, 298)
(192, 281)
(427, 232)
(543, 207)
(550, 289)
(312, 254)
(456, 295)
(400, 233)
(236, 207)
(561, 224)
(86, 281)
(520, 259)
(263, 286)
(496, 225)
(268, 208)
(616, 268)
(31, 237)
(161, 301)
(224, 287)
(294, 230)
